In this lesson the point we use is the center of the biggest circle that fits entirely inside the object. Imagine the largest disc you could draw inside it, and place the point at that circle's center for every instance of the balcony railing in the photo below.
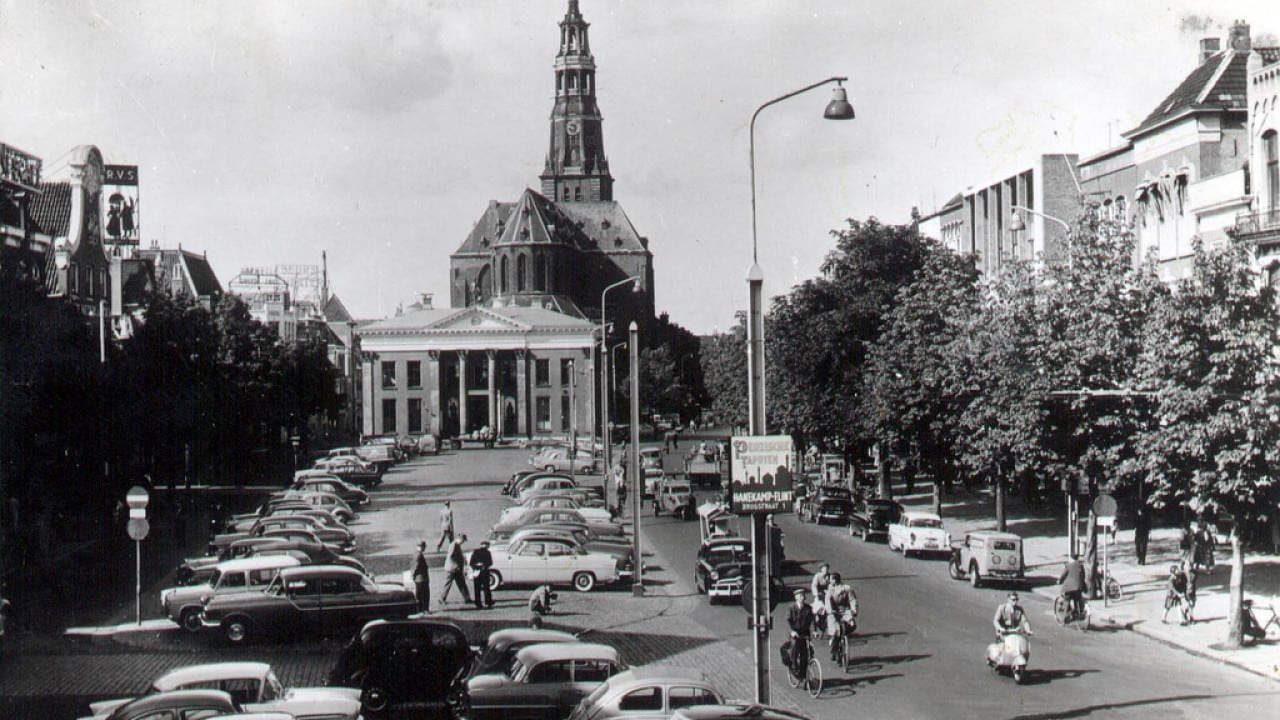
(1266, 222)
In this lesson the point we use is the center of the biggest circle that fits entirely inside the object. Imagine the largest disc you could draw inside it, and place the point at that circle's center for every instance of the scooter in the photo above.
(1010, 654)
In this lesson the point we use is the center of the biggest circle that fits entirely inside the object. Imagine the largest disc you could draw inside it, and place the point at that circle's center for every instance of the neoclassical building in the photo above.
(517, 352)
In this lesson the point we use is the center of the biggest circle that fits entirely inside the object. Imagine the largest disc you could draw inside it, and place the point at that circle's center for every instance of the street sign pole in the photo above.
(137, 499)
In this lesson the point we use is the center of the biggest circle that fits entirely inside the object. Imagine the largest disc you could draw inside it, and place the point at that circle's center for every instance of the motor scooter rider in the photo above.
(1073, 585)
(841, 605)
(1010, 617)
(800, 619)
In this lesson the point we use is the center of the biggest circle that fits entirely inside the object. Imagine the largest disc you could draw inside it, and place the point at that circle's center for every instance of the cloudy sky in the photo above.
(269, 131)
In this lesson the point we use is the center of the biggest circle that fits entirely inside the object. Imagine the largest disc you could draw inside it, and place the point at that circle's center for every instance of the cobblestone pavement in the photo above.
(55, 677)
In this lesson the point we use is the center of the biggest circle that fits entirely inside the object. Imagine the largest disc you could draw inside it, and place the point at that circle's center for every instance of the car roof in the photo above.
(663, 674)
(514, 635)
(319, 570)
(175, 698)
(909, 515)
(257, 562)
(377, 629)
(724, 712)
(542, 652)
(994, 535)
(210, 671)
(726, 540)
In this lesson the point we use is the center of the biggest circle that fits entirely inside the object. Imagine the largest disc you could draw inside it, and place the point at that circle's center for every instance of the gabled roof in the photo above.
(1218, 83)
(202, 276)
(335, 311)
(535, 219)
(487, 228)
(51, 209)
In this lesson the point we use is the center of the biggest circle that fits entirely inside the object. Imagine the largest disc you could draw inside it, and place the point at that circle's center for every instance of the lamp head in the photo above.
(635, 285)
(1015, 221)
(839, 107)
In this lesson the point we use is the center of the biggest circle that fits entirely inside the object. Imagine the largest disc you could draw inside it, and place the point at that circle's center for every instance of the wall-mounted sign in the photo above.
(120, 191)
(19, 168)
(761, 467)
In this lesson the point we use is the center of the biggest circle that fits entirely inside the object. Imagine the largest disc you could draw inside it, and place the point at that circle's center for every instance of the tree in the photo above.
(1210, 356)
(724, 367)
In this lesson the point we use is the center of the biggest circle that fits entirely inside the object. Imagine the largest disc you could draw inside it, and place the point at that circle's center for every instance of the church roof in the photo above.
(534, 218)
(51, 209)
(335, 311)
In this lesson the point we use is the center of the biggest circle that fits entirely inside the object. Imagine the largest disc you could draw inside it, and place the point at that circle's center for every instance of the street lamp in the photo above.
(837, 109)
(1016, 223)
(604, 370)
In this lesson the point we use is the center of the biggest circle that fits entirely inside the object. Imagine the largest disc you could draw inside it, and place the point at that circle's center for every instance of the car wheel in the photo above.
(906, 551)
(953, 569)
(584, 582)
(190, 619)
(236, 630)
(495, 579)
(866, 535)
(697, 584)
(975, 579)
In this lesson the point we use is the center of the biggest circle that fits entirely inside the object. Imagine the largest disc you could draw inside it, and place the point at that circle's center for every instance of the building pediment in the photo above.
(476, 318)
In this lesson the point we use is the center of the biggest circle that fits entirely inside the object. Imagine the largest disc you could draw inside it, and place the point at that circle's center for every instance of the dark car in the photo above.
(500, 650)
(177, 704)
(307, 482)
(404, 668)
(312, 600)
(830, 505)
(723, 563)
(871, 517)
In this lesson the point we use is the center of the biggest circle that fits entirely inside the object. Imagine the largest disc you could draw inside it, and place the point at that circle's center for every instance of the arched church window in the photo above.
(539, 274)
(484, 284)
(502, 275)
(521, 271)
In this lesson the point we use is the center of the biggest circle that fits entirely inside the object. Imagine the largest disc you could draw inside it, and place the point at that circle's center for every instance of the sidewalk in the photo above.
(1140, 610)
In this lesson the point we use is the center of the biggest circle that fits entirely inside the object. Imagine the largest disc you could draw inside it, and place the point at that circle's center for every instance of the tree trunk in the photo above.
(937, 495)
(1235, 617)
(886, 485)
(1091, 555)
(909, 476)
(1001, 525)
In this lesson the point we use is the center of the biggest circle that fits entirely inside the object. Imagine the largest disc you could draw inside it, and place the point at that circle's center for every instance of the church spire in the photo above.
(576, 168)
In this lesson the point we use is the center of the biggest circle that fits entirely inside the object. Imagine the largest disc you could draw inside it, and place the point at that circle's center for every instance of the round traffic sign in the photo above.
(1104, 505)
(137, 497)
(138, 528)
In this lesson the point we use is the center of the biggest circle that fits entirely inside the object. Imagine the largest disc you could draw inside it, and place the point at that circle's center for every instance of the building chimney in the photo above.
(1208, 48)
(1239, 39)
(425, 300)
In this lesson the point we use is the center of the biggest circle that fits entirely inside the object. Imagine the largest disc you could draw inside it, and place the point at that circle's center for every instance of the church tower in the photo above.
(576, 169)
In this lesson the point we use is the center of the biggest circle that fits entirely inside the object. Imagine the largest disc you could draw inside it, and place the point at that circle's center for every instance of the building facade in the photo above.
(1260, 224)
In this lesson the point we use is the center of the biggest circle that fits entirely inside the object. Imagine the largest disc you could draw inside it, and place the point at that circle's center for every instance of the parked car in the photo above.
(325, 501)
(539, 516)
(545, 682)
(919, 532)
(196, 570)
(590, 514)
(382, 454)
(557, 460)
(183, 605)
(309, 599)
(651, 457)
(341, 539)
(587, 496)
(723, 564)
(548, 561)
(543, 484)
(830, 504)
(735, 712)
(255, 688)
(652, 692)
(988, 555)
(174, 704)
(652, 479)
(674, 496)
(500, 649)
(871, 517)
(404, 668)
(428, 444)
(329, 483)
(352, 469)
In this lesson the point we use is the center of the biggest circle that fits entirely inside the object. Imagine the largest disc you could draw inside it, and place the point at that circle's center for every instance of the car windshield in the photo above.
(213, 579)
(926, 523)
(729, 554)
(678, 489)
(1004, 545)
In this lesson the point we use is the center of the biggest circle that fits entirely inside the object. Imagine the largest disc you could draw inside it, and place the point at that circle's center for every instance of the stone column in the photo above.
(522, 393)
(492, 399)
(462, 392)
(366, 396)
(433, 391)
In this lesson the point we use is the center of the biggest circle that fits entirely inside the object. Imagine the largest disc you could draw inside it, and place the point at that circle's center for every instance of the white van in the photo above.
(183, 605)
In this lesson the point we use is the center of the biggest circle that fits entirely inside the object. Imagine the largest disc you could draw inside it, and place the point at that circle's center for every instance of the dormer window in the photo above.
(617, 241)
(484, 242)
(605, 224)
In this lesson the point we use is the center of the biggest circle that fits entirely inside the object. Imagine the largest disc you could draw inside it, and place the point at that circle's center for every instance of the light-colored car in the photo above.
(919, 532)
(546, 680)
(256, 689)
(500, 649)
(556, 459)
(549, 561)
(735, 712)
(590, 514)
(987, 555)
(651, 457)
(675, 496)
(542, 516)
(652, 692)
(653, 478)
(541, 485)
(184, 604)
(583, 538)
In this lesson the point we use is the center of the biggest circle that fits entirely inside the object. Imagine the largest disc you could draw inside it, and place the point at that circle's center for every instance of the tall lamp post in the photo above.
(837, 109)
(637, 571)
(1016, 223)
(604, 371)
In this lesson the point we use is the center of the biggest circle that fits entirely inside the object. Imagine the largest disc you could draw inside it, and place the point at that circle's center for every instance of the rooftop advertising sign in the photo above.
(19, 168)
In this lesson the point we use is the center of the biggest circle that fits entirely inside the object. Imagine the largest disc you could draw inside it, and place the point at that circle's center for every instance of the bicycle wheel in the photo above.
(792, 678)
(1061, 610)
(1114, 591)
(813, 677)
(842, 653)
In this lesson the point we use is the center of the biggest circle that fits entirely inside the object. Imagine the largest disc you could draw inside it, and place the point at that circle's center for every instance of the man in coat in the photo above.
(455, 571)
(422, 579)
(481, 561)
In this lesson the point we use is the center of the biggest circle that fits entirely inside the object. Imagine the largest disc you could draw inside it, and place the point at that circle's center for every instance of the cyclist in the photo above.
(841, 605)
(800, 620)
(821, 581)
(1010, 617)
(1072, 582)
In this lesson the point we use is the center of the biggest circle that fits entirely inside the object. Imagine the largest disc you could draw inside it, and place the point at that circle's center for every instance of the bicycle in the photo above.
(1112, 587)
(804, 656)
(1065, 614)
(840, 644)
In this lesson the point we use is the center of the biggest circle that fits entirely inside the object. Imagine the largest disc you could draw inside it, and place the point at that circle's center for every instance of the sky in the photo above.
(377, 132)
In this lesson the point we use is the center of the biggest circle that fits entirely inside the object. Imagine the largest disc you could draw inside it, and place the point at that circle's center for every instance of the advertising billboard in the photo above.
(761, 468)
(120, 210)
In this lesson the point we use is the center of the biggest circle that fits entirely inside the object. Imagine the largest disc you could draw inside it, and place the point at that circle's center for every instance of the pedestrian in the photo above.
(675, 439)
(455, 571)
(446, 525)
(541, 599)
(620, 477)
(422, 579)
(481, 561)
(1187, 544)
(1141, 533)
(1206, 545)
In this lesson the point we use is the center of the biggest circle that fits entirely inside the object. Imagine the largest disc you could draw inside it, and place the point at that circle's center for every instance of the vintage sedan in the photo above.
(652, 692)
(548, 561)
(590, 514)
(500, 649)
(313, 599)
(557, 460)
(404, 668)
(543, 484)
(540, 516)
(828, 505)
(582, 538)
(871, 517)
(919, 532)
(342, 539)
(545, 682)
(174, 704)
(255, 688)
(988, 555)
(723, 564)
(735, 712)
(307, 481)
(352, 469)
(184, 604)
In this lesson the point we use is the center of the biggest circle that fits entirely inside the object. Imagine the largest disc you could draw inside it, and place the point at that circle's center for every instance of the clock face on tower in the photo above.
(573, 127)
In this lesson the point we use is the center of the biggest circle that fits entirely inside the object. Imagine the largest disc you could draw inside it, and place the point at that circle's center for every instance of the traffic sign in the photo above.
(761, 474)
(137, 497)
(1104, 506)
(138, 528)
(776, 590)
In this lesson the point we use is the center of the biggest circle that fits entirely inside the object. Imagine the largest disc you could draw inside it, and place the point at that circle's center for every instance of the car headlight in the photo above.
(715, 576)
(995, 559)
(913, 538)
